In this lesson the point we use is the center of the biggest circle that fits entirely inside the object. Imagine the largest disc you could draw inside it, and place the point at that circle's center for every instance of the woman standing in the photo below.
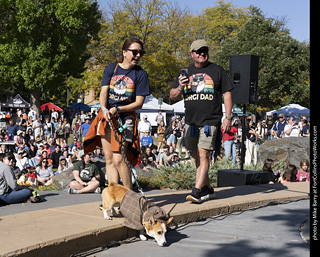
(161, 130)
(60, 133)
(124, 88)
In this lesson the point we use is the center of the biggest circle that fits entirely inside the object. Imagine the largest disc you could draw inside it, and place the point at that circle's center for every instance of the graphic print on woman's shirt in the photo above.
(122, 88)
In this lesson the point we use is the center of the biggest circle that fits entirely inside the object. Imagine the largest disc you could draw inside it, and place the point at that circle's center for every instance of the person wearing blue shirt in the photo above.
(85, 127)
(145, 141)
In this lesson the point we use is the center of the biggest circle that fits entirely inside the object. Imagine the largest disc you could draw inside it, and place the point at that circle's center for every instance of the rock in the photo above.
(290, 149)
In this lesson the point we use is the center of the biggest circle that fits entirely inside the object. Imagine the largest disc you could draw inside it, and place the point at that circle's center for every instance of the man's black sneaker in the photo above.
(207, 193)
(195, 196)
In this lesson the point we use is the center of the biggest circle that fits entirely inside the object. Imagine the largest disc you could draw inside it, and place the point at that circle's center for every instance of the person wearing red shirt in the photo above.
(229, 145)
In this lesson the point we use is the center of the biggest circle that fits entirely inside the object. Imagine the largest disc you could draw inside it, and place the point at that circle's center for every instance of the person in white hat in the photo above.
(144, 126)
(202, 85)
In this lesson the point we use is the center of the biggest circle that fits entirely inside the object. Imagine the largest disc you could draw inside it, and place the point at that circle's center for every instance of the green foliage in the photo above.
(283, 66)
(42, 41)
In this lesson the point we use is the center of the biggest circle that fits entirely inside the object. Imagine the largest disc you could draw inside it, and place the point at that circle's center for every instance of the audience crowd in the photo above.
(34, 148)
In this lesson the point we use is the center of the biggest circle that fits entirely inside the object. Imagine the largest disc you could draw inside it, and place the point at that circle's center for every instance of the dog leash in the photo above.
(122, 130)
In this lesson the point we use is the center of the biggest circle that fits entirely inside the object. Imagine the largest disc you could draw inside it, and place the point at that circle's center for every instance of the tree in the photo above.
(42, 41)
(283, 64)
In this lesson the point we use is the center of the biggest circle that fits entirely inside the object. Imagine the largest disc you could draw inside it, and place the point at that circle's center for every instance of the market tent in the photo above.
(178, 107)
(81, 106)
(16, 102)
(50, 106)
(295, 110)
(152, 103)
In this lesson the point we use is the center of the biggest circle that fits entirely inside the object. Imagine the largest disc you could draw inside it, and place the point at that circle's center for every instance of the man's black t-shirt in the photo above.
(203, 95)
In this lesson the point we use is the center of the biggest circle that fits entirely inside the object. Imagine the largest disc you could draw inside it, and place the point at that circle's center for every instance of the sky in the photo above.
(296, 12)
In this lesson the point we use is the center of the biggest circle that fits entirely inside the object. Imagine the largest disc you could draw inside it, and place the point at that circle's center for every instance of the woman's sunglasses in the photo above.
(135, 52)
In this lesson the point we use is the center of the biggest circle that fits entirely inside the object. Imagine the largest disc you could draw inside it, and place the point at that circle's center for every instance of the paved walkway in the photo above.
(65, 230)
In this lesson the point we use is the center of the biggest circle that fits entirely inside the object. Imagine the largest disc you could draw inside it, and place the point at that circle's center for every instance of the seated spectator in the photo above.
(44, 155)
(289, 175)
(164, 156)
(75, 156)
(22, 159)
(68, 157)
(145, 164)
(19, 140)
(98, 153)
(12, 129)
(303, 173)
(150, 156)
(44, 173)
(86, 177)
(34, 161)
(63, 165)
(154, 150)
(10, 191)
(146, 140)
(268, 166)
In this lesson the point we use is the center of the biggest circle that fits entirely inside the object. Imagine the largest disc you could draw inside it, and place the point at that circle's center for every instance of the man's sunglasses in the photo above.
(135, 52)
(201, 50)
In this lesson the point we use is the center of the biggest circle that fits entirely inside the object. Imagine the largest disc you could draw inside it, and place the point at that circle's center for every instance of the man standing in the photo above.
(85, 127)
(144, 126)
(202, 89)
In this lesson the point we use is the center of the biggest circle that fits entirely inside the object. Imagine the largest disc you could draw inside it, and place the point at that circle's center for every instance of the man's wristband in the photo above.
(104, 110)
(180, 89)
(229, 118)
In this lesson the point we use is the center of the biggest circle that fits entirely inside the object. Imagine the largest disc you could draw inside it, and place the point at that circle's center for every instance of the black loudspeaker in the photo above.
(236, 177)
(244, 72)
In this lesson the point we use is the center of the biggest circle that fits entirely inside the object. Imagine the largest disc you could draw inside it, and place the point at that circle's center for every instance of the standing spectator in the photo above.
(159, 117)
(54, 124)
(278, 127)
(29, 123)
(305, 131)
(54, 114)
(66, 125)
(292, 129)
(144, 126)
(202, 89)
(55, 156)
(172, 133)
(251, 144)
(32, 114)
(83, 117)
(160, 132)
(85, 127)
(60, 132)
(44, 173)
(229, 144)
(10, 191)
(37, 128)
(269, 124)
(47, 127)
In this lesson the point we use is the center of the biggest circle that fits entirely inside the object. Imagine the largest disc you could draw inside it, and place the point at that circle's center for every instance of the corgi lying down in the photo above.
(139, 213)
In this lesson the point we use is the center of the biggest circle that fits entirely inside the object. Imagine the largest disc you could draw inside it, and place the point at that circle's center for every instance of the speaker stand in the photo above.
(243, 137)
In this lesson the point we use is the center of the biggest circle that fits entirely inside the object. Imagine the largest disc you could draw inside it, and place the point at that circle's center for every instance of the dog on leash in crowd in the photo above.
(139, 213)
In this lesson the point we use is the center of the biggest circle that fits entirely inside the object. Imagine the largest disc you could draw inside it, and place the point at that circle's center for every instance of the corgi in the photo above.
(140, 214)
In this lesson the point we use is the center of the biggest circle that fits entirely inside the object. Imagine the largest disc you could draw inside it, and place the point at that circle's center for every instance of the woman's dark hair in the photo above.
(43, 159)
(267, 165)
(126, 45)
(290, 173)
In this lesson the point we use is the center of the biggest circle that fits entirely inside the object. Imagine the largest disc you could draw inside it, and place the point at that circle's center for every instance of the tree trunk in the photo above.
(35, 100)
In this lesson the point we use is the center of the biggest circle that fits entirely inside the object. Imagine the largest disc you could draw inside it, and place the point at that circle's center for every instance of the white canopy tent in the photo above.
(295, 110)
(151, 106)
